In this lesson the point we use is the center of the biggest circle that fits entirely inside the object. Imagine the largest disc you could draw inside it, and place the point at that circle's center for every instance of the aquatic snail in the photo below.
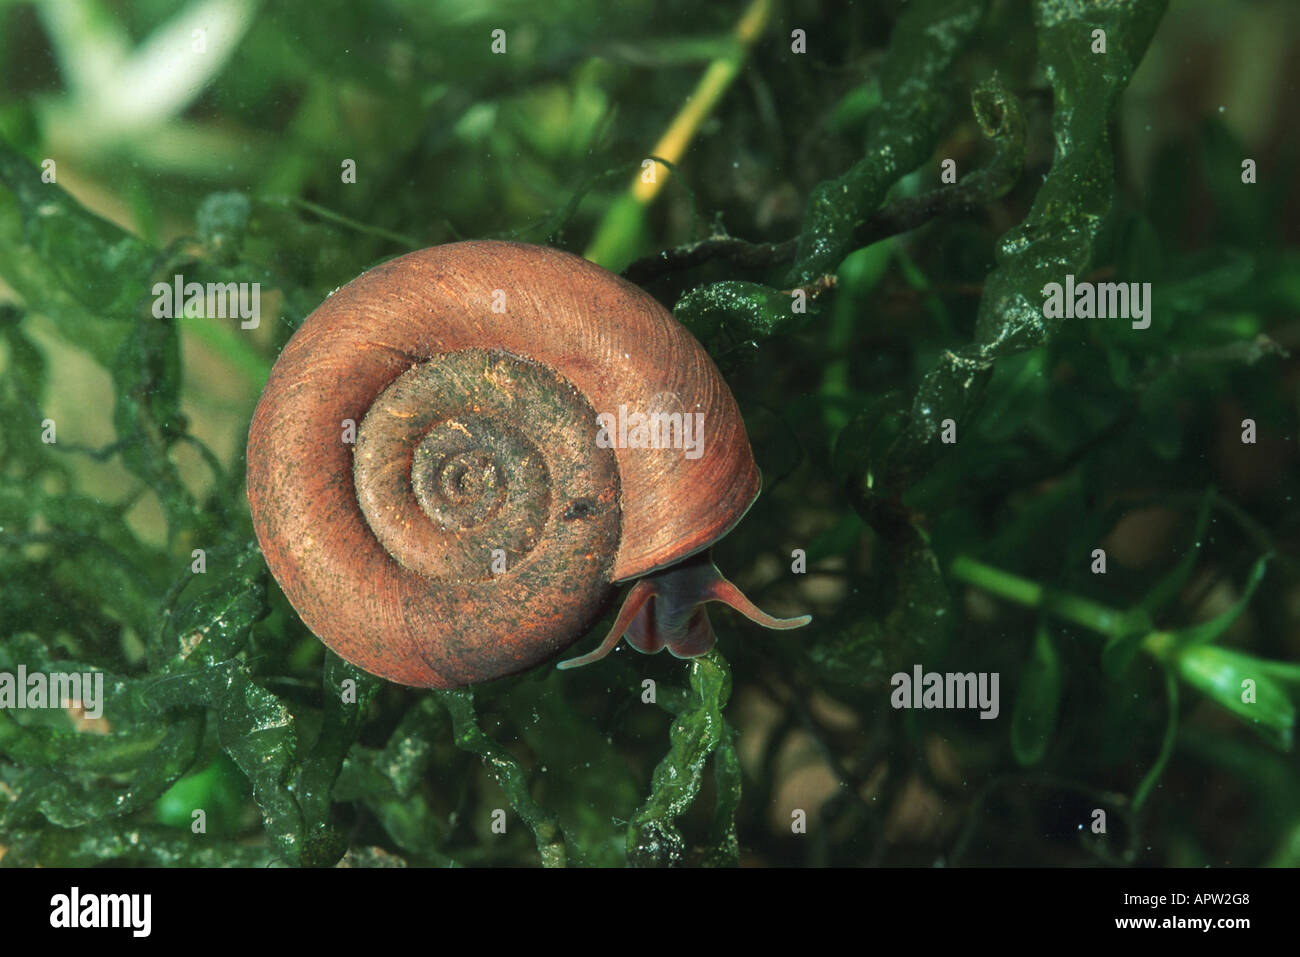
(475, 528)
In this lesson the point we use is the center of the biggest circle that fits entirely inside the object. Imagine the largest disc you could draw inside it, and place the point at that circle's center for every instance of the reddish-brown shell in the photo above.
(612, 342)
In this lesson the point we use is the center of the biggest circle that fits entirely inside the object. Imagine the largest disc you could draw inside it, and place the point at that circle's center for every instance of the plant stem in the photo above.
(614, 244)
(672, 144)
(1081, 611)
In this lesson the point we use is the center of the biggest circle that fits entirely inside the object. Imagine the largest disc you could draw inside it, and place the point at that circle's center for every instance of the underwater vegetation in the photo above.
(1007, 294)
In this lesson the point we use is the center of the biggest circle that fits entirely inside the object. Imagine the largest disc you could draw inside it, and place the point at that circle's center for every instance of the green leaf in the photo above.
(1242, 684)
(386, 782)
(215, 626)
(1152, 777)
(342, 723)
(83, 272)
(1064, 226)
(257, 730)
(1122, 647)
(1209, 630)
(143, 845)
(1168, 587)
(507, 772)
(915, 102)
(724, 843)
(590, 787)
(1033, 718)
(653, 839)
(71, 778)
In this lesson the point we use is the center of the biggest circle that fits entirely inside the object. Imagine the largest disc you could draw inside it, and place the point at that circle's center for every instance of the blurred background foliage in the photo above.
(818, 171)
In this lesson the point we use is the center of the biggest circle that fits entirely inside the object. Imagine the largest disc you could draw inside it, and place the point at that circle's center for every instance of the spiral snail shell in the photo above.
(477, 527)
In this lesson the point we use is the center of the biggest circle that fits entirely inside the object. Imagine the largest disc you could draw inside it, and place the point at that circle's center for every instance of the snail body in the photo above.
(477, 527)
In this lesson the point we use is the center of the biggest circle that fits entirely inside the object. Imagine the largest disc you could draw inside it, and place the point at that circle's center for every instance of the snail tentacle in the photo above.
(641, 593)
(727, 593)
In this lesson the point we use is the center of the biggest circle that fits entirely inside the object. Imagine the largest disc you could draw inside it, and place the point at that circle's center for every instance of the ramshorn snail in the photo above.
(447, 482)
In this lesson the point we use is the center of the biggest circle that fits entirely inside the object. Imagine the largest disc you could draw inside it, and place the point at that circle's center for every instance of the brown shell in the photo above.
(569, 329)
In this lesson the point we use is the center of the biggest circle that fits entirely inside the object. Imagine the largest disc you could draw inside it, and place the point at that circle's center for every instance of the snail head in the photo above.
(665, 609)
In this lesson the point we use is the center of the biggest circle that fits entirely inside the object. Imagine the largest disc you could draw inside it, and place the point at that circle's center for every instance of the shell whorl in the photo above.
(476, 432)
